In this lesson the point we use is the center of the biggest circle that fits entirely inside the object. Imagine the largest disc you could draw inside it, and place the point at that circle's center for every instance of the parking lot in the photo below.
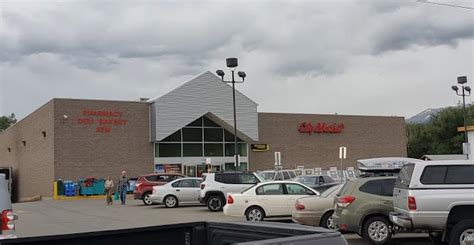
(50, 217)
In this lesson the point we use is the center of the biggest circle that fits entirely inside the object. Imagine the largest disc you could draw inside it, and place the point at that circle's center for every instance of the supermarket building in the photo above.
(188, 130)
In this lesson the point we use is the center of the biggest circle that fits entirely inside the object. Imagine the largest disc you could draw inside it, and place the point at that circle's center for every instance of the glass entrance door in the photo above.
(190, 171)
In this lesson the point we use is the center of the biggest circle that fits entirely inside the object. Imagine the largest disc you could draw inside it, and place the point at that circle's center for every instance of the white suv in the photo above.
(216, 186)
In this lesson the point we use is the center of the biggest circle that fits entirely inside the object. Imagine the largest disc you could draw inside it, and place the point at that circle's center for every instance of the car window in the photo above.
(328, 179)
(227, 178)
(404, 176)
(270, 189)
(372, 187)
(433, 175)
(248, 179)
(186, 183)
(278, 176)
(307, 180)
(267, 175)
(330, 191)
(292, 174)
(286, 175)
(321, 180)
(197, 182)
(164, 178)
(295, 189)
(460, 174)
(152, 178)
(387, 187)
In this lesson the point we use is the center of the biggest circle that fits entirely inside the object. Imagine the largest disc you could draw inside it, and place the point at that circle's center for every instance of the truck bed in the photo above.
(197, 233)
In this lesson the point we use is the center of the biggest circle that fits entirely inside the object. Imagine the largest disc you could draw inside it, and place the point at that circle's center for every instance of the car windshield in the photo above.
(307, 180)
(330, 191)
(267, 175)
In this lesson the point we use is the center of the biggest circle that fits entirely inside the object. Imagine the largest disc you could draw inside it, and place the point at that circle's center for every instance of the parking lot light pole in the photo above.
(465, 91)
(232, 63)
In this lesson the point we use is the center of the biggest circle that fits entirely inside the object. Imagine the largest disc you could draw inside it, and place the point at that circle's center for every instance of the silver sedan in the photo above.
(174, 193)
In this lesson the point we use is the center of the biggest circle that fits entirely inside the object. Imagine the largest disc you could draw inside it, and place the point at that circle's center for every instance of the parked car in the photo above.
(317, 182)
(215, 187)
(144, 185)
(267, 199)
(7, 218)
(176, 192)
(436, 196)
(316, 210)
(270, 175)
(363, 206)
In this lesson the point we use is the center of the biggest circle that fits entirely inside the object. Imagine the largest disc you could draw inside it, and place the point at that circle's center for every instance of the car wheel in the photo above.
(327, 221)
(462, 233)
(254, 214)
(215, 203)
(377, 230)
(171, 202)
(147, 199)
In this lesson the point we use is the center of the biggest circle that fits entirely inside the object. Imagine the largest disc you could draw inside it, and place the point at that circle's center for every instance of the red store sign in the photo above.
(102, 119)
(320, 128)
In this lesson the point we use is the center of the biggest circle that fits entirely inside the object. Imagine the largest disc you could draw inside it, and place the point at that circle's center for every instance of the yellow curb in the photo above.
(64, 198)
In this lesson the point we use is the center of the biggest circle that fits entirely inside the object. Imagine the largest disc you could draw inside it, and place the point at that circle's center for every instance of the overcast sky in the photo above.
(366, 57)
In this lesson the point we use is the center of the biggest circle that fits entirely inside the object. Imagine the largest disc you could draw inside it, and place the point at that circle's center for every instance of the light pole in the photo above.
(465, 91)
(232, 63)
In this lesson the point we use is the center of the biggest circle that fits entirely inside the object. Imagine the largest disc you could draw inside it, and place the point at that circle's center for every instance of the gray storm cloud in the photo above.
(126, 49)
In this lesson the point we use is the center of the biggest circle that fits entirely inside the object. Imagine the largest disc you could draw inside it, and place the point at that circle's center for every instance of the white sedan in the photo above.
(267, 199)
(176, 192)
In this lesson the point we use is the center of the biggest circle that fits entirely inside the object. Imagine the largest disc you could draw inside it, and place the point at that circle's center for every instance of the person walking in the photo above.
(109, 185)
(122, 185)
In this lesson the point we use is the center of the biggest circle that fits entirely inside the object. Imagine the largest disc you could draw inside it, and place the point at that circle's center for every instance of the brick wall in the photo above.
(32, 163)
(364, 137)
(81, 151)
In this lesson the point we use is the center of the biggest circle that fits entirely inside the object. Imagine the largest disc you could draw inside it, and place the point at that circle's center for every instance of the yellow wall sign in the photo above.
(260, 147)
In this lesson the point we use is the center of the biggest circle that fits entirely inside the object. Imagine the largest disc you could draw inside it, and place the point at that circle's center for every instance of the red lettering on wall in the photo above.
(105, 118)
(308, 128)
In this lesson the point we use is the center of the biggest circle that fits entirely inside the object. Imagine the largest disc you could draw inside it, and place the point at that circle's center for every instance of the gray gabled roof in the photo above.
(204, 95)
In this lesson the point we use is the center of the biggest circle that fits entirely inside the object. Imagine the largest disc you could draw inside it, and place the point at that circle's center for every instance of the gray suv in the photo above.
(7, 218)
(436, 196)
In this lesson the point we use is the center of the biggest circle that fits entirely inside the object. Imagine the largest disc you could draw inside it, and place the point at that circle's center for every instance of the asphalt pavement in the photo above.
(51, 217)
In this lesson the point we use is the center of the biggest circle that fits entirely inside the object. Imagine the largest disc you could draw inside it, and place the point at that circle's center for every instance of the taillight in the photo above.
(230, 200)
(299, 206)
(7, 220)
(411, 203)
(202, 186)
(345, 201)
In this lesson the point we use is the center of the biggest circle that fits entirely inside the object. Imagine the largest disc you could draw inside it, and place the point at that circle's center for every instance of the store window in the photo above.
(192, 134)
(209, 123)
(168, 150)
(192, 149)
(175, 137)
(197, 123)
(229, 149)
(213, 135)
(229, 137)
(213, 150)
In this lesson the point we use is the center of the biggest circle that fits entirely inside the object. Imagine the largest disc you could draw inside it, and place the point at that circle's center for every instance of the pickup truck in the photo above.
(438, 197)
(197, 233)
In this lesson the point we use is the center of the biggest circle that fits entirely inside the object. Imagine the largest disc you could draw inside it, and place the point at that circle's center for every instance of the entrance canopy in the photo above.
(204, 95)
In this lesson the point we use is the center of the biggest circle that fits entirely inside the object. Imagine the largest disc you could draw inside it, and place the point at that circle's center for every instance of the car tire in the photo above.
(254, 214)
(147, 199)
(170, 201)
(377, 230)
(215, 203)
(460, 232)
(326, 221)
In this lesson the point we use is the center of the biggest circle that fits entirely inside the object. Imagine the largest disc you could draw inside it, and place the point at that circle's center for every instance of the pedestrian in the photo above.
(109, 185)
(122, 185)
